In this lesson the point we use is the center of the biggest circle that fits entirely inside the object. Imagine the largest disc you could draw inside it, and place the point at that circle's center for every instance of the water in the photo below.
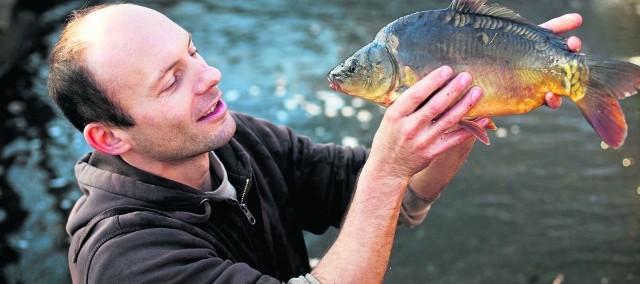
(544, 202)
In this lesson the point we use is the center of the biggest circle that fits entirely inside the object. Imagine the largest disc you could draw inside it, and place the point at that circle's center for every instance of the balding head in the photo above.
(72, 85)
(96, 39)
(121, 34)
(100, 47)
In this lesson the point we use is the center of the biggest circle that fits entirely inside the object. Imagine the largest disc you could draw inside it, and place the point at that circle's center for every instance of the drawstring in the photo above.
(190, 217)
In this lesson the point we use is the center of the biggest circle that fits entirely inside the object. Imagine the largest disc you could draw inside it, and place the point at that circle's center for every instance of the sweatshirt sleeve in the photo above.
(304, 279)
(414, 208)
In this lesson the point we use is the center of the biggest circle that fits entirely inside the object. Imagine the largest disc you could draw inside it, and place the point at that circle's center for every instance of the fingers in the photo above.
(450, 140)
(430, 124)
(451, 117)
(552, 101)
(438, 135)
(564, 23)
(413, 132)
(485, 122)
(453, 138)
(442, 100)
(574, 44)
(441, 106)
(407, 103)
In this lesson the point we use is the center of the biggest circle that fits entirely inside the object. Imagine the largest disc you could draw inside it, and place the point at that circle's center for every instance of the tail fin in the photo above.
(609, 81)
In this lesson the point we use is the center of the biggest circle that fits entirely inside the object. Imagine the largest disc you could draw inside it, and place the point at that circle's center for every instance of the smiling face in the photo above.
(150, 67)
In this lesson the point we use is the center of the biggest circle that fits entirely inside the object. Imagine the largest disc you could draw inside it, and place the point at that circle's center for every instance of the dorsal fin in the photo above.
(493, 10)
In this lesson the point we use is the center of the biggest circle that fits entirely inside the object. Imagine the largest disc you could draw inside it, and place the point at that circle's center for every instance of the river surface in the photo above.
(547, 202)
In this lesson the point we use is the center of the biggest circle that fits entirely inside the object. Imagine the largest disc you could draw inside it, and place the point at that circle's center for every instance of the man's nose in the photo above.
(208, 77)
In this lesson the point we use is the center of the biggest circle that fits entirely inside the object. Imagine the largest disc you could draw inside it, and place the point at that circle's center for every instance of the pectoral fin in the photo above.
(477, 130)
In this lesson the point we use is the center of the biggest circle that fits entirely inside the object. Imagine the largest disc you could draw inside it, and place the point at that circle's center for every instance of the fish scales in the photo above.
(460, 47)
(515, 62)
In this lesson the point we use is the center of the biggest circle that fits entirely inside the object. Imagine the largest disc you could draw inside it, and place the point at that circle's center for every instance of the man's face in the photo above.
(150, 67)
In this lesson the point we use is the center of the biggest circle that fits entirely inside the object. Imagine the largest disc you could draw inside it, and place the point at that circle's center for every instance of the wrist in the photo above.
(380, 176)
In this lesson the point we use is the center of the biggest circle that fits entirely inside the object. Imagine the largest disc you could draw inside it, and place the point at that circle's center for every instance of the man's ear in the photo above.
(105, 139)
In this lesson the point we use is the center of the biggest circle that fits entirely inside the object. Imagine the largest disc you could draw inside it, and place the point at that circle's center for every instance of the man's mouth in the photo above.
(211, 110)
(215, 110)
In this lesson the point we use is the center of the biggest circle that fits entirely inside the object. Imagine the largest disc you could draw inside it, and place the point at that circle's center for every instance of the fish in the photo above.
(514, 61)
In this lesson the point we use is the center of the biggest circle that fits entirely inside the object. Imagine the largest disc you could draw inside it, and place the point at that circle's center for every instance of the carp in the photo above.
(514, 61)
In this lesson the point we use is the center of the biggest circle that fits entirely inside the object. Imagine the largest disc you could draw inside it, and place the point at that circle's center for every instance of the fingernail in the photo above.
(465, 78)
(476, 93)
(446, 71)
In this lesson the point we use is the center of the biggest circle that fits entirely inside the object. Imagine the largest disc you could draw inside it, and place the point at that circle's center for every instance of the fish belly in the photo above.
(510, 91)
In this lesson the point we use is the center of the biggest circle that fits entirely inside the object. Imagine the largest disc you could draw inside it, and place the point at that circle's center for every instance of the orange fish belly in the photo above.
(510, 92)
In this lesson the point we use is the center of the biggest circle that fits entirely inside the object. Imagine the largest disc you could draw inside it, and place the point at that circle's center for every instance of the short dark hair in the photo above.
(73, 87)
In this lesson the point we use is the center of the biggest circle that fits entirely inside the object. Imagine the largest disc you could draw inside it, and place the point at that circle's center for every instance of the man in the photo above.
(181, 190)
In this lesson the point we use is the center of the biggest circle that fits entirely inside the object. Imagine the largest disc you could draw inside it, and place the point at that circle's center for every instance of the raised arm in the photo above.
(405, 143)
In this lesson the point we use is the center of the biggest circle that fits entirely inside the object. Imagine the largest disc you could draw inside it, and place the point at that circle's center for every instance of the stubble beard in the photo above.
(188, 147)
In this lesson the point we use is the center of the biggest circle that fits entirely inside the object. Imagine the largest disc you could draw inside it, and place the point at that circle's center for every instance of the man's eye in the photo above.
(172, 85)
(194, 53)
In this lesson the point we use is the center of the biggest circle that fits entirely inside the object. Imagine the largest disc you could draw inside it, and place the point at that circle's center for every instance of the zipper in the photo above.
(243, 205)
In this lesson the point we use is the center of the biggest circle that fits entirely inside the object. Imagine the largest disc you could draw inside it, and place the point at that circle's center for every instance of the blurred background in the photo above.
(547, 202)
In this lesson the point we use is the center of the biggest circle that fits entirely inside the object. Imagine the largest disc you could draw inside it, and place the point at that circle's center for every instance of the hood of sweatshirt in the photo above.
(108, 181)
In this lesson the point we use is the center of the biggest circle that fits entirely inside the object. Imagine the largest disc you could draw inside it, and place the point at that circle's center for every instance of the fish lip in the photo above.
(334, 83)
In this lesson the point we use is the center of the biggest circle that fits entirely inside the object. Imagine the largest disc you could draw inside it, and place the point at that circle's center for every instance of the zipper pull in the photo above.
(247, 213)
(243, 205)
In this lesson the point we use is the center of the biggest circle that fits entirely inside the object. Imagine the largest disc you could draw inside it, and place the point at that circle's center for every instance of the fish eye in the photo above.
(352, 66)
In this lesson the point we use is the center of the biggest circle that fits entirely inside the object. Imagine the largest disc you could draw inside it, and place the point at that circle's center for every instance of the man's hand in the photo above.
(409, 138)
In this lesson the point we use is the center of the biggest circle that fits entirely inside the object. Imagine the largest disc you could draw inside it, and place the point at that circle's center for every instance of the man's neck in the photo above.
(194, 172)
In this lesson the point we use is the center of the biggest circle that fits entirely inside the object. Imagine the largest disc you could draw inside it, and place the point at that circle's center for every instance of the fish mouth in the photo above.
(334, 83)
